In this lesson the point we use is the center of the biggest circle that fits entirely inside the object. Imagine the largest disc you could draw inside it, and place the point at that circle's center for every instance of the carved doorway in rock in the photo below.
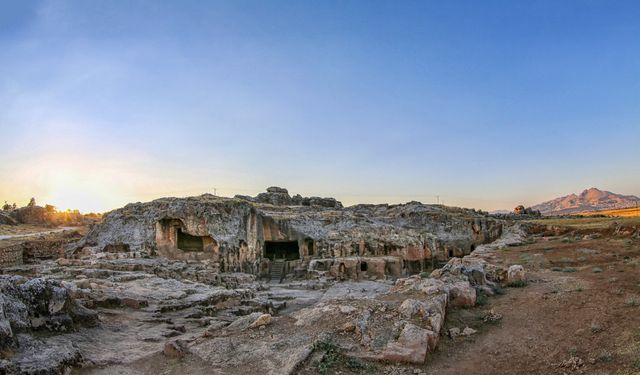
(283, 250)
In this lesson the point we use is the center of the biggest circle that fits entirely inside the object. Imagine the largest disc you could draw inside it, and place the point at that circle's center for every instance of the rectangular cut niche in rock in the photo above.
(287, 250)
(116, 248)
(187, 242)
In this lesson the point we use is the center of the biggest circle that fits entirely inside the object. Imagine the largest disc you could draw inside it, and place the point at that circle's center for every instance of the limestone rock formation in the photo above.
(278, 196)
(248, 234)
(38, 304)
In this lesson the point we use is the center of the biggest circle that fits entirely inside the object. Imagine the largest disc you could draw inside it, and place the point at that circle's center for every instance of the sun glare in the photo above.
(71, 192)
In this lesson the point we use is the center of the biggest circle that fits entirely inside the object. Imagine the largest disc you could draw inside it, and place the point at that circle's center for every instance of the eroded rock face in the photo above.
(39, 357)
(244, 233)
(38, 304)
(155, 308)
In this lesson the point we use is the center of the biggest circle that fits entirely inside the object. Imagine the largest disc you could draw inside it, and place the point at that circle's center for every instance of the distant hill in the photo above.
(589, 200)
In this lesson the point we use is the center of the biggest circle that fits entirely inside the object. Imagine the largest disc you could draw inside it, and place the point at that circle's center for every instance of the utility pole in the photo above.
(438, 199)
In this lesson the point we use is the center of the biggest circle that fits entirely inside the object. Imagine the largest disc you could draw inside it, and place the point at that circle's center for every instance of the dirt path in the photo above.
(33, 234)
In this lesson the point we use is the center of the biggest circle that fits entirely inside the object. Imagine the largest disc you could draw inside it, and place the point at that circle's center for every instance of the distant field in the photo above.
(623, 212)
(589, 222)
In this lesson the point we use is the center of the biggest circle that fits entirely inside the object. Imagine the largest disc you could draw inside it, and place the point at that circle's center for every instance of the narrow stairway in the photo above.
(277, 271)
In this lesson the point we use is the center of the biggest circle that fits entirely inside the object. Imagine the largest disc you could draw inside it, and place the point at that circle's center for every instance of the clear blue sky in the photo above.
(486, 103)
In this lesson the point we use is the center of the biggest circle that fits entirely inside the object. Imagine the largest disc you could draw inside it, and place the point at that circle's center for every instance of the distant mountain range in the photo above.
(589, 200)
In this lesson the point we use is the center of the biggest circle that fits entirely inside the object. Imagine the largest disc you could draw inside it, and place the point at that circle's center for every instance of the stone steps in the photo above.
(277, 271)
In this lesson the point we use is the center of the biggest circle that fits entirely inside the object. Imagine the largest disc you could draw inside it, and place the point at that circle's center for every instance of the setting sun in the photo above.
(70, 192)
(79, 188)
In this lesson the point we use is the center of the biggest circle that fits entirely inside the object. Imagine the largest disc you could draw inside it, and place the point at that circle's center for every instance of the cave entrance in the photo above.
(187, 242)
(287, 250)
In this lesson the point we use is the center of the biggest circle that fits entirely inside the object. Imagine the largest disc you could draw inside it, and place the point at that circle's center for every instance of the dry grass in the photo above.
(588, 222)
(623, 212)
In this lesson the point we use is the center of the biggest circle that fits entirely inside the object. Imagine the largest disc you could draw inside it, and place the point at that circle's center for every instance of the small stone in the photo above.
(348, 327)
(263, 320)
(345, 309)
(134, 303)
(468, 331)
(515, 274)
(175, 349)
(454, 332)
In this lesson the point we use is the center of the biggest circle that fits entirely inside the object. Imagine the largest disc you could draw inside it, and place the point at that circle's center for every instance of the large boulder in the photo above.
(470, 268)
(411, 346)
(38, 304)
(46, 357)
(276, 196)
(462, 294)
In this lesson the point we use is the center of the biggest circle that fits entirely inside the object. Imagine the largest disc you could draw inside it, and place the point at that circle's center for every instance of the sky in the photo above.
(486, 104)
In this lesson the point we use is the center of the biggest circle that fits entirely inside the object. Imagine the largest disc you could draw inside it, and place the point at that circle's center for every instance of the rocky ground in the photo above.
(579, 312)
(572, 308)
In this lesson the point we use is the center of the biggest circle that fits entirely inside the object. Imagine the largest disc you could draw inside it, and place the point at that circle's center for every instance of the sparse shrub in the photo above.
(330, 358)
(498, 290)
(632, 302)
(491, 317)
(605, 357)
(482, 300)
(596, 328)
(596, 270)
(556, 269)
(618, 291)
(582, 259)
(355, 364)
(579, 289)
(525, 258)
(568, 240)
(424, 275)
(333, 357)
(518, 284)
(572, 351)
(569, 269)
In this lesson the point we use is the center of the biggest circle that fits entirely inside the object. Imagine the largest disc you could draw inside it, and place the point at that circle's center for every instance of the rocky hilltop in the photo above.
(589, 200)
(248, 233)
